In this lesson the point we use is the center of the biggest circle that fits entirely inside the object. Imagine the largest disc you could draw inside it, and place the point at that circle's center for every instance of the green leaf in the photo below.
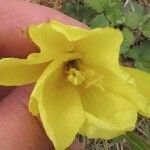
(119, 138)
(146, 30)
(68, 8)
(139, 65)
(78, 11)
(134, 20)
(144, 53)
(136, 142)
(132, 53)
(136, 15)
(128, 37)
(139, 9)
(128, 40)
(98, 5)
(141, 56)
(99, 21)
(124, 49)
(114, 13)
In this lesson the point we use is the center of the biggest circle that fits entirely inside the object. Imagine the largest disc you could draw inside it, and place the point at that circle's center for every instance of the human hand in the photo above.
(19, 130)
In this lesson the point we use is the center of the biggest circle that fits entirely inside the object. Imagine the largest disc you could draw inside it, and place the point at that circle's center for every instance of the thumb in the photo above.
(16, 15)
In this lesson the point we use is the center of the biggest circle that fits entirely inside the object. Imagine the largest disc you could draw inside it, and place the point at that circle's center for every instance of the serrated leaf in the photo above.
(68, 8)
(128, 40)
(98, 5)
(128, 37)
(132, 53)
(114, 14)
(99, 21)
(146, 30)
(141, 56)
(78, 11)
(124, 49)
(136, 142)
(134, 20)
(144, 53)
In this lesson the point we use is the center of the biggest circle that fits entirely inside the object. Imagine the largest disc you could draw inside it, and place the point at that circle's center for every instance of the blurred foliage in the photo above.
(136, 142)
(130, 16)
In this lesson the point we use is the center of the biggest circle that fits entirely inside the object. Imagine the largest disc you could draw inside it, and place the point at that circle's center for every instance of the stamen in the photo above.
(75, 76)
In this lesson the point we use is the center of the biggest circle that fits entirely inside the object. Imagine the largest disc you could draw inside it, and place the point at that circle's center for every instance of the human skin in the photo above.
(19, 130)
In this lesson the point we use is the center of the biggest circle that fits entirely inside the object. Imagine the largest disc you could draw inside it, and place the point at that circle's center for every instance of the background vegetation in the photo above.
(133, 18)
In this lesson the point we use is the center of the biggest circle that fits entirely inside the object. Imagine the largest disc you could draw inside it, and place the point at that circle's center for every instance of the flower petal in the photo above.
(108, 114)
(124, 84)
(15, 71)
(142, 80)
(52, 43)
(72, 33)
(103, 47)
(59, 106)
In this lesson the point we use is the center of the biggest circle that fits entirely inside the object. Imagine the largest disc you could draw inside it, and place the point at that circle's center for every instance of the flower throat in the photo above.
(74, 74)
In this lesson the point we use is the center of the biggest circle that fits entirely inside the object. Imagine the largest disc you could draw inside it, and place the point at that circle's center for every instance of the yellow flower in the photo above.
(80, 86)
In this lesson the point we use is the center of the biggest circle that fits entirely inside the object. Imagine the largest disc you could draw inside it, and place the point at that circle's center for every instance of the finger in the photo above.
(15, 16)
(18, 128)
(75, 146)
(5, 91)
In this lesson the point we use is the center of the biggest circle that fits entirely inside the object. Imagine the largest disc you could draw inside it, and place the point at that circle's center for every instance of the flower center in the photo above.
(74, 75)
(77, 75)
